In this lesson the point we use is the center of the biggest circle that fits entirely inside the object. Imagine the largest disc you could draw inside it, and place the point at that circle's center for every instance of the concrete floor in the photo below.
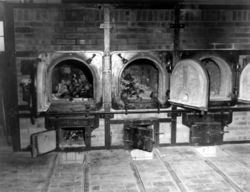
(173, 169)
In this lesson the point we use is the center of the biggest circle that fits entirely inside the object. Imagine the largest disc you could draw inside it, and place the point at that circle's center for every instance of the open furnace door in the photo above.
(43, 142)
(244, 85)
(189, 85)
(43, 102)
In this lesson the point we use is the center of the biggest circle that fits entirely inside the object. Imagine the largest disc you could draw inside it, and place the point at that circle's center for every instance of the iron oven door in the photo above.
(189, 85)
(43, 142)
(244, 85)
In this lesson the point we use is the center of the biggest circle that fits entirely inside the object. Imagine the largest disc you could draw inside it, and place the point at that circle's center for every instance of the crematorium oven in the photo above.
(69, 87)
(148, 94)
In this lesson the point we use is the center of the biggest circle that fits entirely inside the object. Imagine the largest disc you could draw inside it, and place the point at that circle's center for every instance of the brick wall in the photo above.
(98, 135)
(204, 29)
(182, 132)
(215, 29)
(238, 130)
(141, 29)
(65, 28)
(52, 29)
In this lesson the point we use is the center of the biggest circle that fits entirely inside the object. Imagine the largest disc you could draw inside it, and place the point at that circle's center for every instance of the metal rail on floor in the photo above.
(86, 174)
(171, 171)
(225, 177)
(51, 173)
(137, 176)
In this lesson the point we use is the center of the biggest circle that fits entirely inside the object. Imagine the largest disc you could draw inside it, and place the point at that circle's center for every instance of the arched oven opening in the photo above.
(71, 80)
(139, 85)
(65, 80)
(214, 75)
(220, 79)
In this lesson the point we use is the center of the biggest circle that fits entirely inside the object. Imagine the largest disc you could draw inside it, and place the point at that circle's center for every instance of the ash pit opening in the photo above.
(72, 137)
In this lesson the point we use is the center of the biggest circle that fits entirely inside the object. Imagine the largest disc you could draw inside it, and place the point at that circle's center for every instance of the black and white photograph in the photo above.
(124, 95)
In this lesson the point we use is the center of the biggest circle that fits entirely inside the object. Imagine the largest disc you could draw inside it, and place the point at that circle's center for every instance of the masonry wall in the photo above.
(51, 29)
(215, 29)
(238, 130)
(142, 29)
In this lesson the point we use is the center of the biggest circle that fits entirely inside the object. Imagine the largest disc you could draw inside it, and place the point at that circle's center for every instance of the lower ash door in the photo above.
(139, 136)
(43, 142)
(204, 133)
